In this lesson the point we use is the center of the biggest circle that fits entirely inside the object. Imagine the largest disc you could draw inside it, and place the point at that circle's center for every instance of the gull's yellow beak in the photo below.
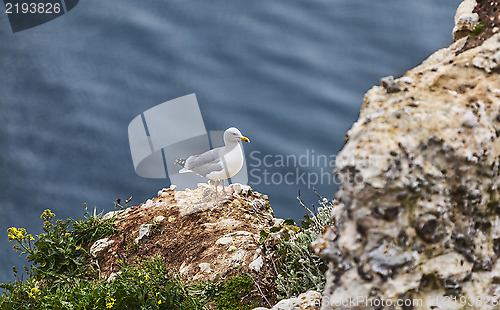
(244, 139)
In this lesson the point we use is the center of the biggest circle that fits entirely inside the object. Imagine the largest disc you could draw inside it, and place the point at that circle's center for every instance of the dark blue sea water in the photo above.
(290, 75)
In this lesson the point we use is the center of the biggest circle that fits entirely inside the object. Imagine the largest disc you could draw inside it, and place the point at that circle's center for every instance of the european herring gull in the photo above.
(219, 163)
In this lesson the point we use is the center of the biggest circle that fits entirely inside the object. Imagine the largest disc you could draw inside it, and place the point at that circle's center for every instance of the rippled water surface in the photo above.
(290, 75)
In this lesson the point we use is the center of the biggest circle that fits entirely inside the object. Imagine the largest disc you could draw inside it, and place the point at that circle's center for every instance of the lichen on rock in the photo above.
(417, 214)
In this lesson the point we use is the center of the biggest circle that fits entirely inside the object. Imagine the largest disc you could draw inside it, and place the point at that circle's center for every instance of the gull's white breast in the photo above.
(232, 162)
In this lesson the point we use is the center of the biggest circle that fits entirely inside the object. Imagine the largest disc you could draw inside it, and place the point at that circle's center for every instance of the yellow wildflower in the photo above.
(159, 302)
(47, 215)
(34, 292)
(12, 233)
(110, 303)
(20, 233)
(17, 234)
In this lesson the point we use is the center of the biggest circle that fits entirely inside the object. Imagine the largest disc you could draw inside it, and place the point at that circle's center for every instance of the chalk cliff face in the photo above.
(418, 209)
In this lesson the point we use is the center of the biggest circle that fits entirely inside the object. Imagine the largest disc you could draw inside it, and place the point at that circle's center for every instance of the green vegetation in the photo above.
(228, 295)
(237, 293)
(56, 257)
(61, 276)
(299, 269)
(93, 227)
(478, 29)
(148, 285)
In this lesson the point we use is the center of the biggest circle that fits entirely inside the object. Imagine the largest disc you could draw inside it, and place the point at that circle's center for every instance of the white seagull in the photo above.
(220, 163)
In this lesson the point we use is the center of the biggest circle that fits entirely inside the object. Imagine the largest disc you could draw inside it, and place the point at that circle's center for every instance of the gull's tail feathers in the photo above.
(182, 162)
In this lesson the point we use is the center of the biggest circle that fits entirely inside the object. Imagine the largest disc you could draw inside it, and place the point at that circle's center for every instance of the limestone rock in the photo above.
(143, 232)
(159, 219)
(417, 213)
(113, 276)
(197, 235)
(465, 19)
(117, 214)
(309, 300)
(448, 265)
(100, 245)
(111, 214)
(257, 264)
(390, 84)
(205, 267)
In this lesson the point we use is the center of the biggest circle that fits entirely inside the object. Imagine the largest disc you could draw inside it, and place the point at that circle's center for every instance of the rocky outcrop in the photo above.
(209, 239)
(466, 20)
(417, 215)
(477, 21)
(199, 237)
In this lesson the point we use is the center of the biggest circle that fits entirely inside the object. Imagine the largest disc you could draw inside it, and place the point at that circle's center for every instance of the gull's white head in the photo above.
(233, 135)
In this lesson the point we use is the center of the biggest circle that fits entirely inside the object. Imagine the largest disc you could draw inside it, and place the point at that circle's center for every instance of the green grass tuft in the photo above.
(93, 227)
(478, 29)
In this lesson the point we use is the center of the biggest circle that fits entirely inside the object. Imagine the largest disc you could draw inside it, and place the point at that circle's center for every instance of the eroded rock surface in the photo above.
(198, 236)
(418, 210)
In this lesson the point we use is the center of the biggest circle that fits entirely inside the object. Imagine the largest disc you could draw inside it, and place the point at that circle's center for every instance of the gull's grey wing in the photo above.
(205, 163)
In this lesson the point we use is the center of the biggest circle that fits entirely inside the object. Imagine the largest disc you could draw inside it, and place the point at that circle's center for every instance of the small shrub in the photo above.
(93, 227)
(131, 246)
(299, 268)
(55, 256)
(236, 293)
